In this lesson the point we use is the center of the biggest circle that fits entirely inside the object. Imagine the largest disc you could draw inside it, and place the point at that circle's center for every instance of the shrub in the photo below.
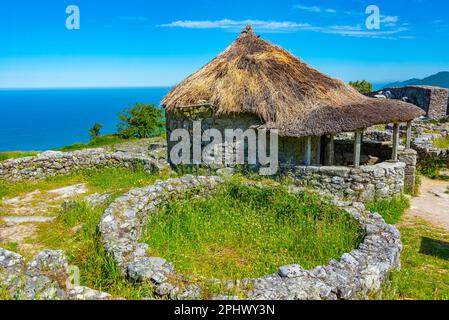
(362, 86)
(95, 130)
(141, 121)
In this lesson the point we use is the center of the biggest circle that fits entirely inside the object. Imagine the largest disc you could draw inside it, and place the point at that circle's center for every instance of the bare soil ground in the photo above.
(432, 205)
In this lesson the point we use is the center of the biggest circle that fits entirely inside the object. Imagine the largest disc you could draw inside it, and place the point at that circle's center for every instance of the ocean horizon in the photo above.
(37, 119)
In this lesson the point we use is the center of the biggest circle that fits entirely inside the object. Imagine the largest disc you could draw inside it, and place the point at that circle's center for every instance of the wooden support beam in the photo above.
(308, 153)
(330, 151)
(408, 141)
(357, 148)
(394, 156)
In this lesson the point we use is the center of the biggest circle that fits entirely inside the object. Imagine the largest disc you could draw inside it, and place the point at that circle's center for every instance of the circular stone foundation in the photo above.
(354, 275)
(242, 230)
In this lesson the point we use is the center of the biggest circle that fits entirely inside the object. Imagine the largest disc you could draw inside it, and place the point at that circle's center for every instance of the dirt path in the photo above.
(432, 204)
(20, 215)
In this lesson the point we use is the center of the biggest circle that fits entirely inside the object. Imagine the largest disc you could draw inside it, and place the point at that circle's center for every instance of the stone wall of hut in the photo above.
(290, 150)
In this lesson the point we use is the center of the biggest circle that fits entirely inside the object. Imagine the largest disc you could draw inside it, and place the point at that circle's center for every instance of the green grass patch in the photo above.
(430, 166)
(442, 142)
(390, 209)
(424, 273)
(16, 154)
(244, 231)
(100, 141)
(97, 180)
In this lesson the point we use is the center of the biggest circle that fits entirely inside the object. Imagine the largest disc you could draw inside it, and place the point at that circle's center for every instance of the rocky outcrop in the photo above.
(52, 163)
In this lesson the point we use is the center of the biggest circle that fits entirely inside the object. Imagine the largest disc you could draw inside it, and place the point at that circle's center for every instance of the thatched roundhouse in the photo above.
(254, 83)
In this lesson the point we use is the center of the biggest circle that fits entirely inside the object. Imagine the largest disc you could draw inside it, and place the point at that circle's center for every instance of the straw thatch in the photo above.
(254, 76)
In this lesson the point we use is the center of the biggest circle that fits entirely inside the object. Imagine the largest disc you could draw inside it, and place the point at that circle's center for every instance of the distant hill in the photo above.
(441, 79)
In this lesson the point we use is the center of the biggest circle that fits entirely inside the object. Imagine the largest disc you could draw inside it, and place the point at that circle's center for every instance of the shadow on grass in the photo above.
(434, 248)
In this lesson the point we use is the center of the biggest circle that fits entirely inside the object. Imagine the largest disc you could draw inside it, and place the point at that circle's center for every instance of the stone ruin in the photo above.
(433, 100)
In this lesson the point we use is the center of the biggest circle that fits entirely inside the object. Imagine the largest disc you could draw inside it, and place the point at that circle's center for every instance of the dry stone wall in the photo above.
(52, 163)
(433, 100)
(355, 275)
(382, 180)
(45, 277)
(423, 144)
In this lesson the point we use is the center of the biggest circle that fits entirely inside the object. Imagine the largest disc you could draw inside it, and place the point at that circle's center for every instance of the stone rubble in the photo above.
(45, 277)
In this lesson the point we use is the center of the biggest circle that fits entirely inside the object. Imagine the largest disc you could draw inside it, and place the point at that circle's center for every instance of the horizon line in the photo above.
(89, 87)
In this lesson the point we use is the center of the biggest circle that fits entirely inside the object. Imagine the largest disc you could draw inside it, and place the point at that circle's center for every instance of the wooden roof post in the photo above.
(329, 160)
(394, 156)
(308, 153)
(357, 148)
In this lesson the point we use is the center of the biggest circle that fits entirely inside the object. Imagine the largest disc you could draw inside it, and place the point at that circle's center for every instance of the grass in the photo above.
(430, 166)
(101, 141)
(244, 231)
(97, 180)
(424, 273)
(75, 228)
(441, 143)
(390, 209)
(16, 154)
(75, 231)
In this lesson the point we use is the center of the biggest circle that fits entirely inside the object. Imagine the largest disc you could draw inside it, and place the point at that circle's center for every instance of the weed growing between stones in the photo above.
(390, 209)
(245, 231)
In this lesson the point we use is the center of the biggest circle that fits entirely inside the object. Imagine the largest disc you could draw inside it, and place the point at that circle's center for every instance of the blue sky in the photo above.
(158, 43)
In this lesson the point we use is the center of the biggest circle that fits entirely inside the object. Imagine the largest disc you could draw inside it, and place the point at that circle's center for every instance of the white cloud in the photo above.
(314, 9)
(261, 25)
(287, 26)
(391, 19)
(308, 8)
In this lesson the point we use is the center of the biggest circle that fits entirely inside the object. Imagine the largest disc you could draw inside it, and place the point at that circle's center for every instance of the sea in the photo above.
(44, 119)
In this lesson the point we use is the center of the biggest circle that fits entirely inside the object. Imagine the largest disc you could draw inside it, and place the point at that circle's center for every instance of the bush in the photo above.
(362, 86)
(141, 121)
(95, 130)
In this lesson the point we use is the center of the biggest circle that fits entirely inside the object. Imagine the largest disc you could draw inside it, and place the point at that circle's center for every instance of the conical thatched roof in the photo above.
(255, 76)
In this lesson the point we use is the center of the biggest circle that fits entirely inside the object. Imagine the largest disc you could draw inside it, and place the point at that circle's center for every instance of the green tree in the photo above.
(95, 130)
(141, 121)
(362, 86)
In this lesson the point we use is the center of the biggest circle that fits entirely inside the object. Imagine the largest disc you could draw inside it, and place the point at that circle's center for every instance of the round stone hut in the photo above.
(256, 84)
